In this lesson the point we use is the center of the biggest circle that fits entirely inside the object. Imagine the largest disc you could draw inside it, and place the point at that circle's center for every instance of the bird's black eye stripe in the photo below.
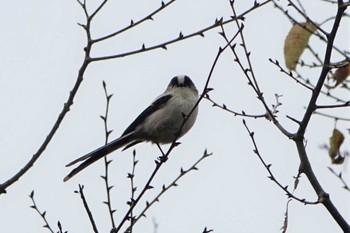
(181, 81)
(188, 82)
(173, 82)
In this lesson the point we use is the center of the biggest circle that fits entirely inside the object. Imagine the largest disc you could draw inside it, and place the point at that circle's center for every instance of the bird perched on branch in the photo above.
(170, 116)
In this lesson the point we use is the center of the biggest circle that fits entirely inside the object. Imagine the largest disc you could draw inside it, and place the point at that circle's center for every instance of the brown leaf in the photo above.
(335, 141)
(340, 76)
(295, 43)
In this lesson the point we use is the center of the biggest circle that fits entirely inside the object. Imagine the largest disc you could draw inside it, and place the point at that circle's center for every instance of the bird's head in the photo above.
(181, 81)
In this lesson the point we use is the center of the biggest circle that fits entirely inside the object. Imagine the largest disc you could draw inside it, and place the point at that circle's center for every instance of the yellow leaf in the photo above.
(335, 141)
(295, 43)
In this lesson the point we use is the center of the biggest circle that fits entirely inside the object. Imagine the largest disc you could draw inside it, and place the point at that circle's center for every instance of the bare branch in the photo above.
(64, 111)
(332, 116)
(106, 160)
(133, 191)
(225, 108)
(134, 24)
(346, 104)
(301, 11)
(340, 176)
(249, 74)
(325, 93)
(86, 206)
(268, 168)
(97, 10)
(172, 184)
(290, 74)
(321, 37)
(42, 214)
(181, 36)
(312, 104)
(323, 197)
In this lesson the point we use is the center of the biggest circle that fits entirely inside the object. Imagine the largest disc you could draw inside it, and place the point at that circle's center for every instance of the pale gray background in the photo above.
(41, 51)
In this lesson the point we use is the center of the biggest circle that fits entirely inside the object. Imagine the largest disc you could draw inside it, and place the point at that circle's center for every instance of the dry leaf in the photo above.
(295, 43)
(335, 141)
(340, 76)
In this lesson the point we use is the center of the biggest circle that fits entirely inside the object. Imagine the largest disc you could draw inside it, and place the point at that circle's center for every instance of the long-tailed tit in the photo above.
(160, 123)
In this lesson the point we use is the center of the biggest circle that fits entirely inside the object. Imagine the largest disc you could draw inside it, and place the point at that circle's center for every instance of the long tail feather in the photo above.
(97, 154)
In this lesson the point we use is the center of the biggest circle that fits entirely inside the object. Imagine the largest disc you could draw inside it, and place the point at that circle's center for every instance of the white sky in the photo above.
(42, 50)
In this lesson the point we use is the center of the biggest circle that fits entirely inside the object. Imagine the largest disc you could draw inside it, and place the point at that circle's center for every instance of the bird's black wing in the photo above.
(157, 104)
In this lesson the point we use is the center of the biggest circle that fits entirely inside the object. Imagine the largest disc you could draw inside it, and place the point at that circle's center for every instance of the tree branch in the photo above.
(172, 184)
(181, 36)
(134, 24)
(323, 197)
(42, 214)
(268, 168)
(106, 160)
(346, 104)
(325, 69)
(86, 206)
(61, 116)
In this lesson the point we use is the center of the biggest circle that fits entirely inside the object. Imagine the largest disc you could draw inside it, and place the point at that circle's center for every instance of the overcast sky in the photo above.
(42, 50)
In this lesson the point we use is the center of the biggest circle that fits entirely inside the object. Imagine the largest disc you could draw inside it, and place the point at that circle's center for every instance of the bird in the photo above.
(170, 116)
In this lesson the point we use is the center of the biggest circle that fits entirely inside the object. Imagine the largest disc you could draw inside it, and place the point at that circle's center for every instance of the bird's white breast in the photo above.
(164, 124)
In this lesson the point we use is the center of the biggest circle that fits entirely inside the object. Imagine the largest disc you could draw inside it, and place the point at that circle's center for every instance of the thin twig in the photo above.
(42, 214)
(106, 160)
(86, 206)
(346, 104)
(131, 176)
(290, 74)
(206, 230)
(332, 116)
(225, 108)
(250, 69)
(340, 177)
(172, 184)
(330, 1)
(146, 187)
(134, 24)
(60, 228)
(322, 38)
(315, 54)
(97, 10)
(181, 36)
(325, 93)
(249, 74)
(61, 116)
(301, 11)
(302, 7)
(268, 168)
